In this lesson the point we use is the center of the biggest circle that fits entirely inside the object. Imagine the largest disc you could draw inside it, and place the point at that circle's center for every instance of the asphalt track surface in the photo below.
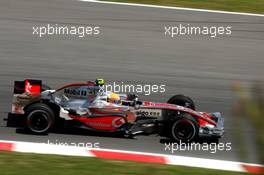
(131, 48)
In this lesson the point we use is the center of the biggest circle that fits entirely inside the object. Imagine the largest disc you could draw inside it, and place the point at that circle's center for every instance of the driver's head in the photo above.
(113, 98)
(99, 82)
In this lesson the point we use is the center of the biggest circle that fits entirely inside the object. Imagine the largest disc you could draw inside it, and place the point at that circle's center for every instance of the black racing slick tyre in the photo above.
(182, 100)
(39, 118)
(185, 128)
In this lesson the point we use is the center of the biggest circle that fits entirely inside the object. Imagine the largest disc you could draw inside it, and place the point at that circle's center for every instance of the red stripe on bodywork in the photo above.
(6, 146)
(253, 169)
(129, 156)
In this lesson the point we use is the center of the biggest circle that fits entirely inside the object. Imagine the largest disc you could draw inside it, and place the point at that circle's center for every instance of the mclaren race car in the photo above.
(39, 109)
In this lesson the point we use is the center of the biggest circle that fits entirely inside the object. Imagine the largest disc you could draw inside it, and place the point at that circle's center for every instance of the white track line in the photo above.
(42, 148)
(175, 8)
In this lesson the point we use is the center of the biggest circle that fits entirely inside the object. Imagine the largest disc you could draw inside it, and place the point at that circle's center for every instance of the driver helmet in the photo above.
(113, 98)
(99, 82)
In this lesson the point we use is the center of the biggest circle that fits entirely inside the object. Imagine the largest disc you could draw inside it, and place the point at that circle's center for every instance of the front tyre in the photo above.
(39, 118)
(184, 129)
(182, 100)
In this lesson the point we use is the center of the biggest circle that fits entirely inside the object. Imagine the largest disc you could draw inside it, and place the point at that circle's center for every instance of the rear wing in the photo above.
(27, 86)
(25, 93)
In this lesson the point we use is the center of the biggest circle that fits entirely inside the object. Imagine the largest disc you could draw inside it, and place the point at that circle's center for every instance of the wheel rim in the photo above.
(38, 121)
(183, 130)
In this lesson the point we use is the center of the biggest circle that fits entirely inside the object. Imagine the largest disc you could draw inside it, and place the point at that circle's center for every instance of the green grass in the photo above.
(37, 164)
(250, 6)
(251, 108)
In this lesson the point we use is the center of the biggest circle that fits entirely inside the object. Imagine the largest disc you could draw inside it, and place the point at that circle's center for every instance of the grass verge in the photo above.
(20, 163)
(249, 6)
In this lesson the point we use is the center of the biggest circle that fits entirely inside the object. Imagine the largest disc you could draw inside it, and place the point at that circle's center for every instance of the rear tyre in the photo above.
(39, 118)
(185, 128)
(182, 100)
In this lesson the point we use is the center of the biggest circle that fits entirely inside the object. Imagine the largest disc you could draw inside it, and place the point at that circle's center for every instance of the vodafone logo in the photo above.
(28, 87)
(117, 122)
(32, 88)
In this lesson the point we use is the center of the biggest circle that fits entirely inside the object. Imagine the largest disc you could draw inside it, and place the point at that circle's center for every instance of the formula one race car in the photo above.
(39, 109)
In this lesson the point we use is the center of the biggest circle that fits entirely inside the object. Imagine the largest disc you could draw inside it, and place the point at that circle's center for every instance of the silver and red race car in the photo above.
(39, 109)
